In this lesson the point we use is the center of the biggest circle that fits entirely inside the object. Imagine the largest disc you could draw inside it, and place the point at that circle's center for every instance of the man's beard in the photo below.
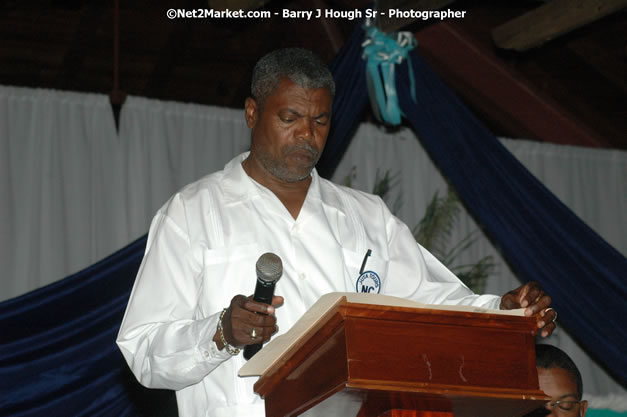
(281, 170)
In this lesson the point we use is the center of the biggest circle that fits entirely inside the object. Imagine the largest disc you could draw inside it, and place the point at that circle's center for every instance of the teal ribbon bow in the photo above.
(382, 52)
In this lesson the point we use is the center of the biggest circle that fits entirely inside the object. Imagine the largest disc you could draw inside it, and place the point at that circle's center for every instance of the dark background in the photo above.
(69, 45)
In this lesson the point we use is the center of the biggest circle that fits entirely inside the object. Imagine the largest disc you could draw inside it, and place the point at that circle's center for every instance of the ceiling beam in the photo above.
(84, 35)
(551, 20)
(330, 28)
(511, 102)
(179, 32)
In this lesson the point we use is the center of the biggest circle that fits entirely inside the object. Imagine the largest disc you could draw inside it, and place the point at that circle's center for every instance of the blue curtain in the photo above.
(351, 95)
(540, 237)
(57, 344)
(58, 355)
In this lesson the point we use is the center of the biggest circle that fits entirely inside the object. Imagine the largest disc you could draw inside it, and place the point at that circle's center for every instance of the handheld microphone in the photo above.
(269, 269)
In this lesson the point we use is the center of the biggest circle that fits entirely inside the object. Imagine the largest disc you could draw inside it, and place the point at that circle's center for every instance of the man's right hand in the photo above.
(243, 315)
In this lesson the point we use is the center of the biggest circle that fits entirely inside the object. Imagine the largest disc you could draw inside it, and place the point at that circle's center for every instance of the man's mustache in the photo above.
(301, 147)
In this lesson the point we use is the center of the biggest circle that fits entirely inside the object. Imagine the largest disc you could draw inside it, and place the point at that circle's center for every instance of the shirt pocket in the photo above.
(226, 273)
(372, 279)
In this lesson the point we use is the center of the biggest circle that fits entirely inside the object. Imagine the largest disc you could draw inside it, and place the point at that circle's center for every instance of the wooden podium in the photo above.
(402, 362)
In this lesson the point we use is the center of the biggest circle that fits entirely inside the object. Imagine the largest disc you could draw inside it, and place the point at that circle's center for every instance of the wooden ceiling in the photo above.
(579, 76)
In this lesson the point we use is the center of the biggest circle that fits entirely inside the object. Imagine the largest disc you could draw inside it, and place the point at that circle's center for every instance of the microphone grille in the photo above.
(269, 267)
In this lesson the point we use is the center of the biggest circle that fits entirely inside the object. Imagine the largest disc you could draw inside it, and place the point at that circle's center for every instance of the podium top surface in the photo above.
(329, 304)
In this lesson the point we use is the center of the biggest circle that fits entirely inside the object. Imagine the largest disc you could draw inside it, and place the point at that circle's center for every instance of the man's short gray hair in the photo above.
(301, 66)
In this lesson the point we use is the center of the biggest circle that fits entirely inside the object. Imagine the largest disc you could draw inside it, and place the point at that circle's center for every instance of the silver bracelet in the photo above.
(231, 350)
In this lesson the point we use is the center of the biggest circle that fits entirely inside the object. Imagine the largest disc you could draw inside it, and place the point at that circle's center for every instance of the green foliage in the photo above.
(382, 187)
(348, 179)
(475, 276)
(433, 231)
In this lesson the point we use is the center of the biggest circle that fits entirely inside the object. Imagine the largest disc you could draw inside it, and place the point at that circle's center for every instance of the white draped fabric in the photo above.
(75, 190)
(58, 154)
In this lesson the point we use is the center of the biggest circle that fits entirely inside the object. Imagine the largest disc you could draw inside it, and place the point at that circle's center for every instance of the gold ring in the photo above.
(253, 334)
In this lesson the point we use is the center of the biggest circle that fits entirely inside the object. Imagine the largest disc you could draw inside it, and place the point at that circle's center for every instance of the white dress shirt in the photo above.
(202, 248)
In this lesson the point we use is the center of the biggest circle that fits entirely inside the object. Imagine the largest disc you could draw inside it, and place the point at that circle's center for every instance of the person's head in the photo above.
(302, 67)
(560, 379)
(289, 113)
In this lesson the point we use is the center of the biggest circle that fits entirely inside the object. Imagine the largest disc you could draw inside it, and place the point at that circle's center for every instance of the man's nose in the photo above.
(305, 129)
(549, 410)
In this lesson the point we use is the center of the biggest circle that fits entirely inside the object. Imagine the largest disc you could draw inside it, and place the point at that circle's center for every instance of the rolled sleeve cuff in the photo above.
(207, 350)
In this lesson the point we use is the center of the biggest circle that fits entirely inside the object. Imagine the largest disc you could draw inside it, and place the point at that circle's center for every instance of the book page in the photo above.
(278, 346)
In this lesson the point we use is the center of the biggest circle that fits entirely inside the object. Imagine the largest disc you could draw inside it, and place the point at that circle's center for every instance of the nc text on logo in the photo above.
(368, 282)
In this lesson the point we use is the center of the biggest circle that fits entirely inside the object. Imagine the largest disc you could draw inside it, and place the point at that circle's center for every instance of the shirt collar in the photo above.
(238, 186)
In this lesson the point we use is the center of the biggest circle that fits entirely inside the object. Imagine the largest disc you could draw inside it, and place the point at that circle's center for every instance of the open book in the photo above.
(273, 350)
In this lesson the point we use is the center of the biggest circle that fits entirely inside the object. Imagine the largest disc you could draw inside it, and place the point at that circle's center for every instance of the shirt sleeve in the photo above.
(164, 342)
(416, 274)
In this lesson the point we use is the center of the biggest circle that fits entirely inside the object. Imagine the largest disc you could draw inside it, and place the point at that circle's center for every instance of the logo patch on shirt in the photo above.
(368, 282)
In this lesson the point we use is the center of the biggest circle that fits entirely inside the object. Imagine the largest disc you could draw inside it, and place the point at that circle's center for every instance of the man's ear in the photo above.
(583, 408)
(251, 112)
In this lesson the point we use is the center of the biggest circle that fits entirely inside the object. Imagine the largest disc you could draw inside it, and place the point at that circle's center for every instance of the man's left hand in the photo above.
(536, 302)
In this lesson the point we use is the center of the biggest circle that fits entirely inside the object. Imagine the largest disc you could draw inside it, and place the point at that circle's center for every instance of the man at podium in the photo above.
(189, 313)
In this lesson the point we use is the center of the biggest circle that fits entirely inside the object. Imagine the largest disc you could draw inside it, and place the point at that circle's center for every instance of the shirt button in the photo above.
(206, 353)
(302, 275)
